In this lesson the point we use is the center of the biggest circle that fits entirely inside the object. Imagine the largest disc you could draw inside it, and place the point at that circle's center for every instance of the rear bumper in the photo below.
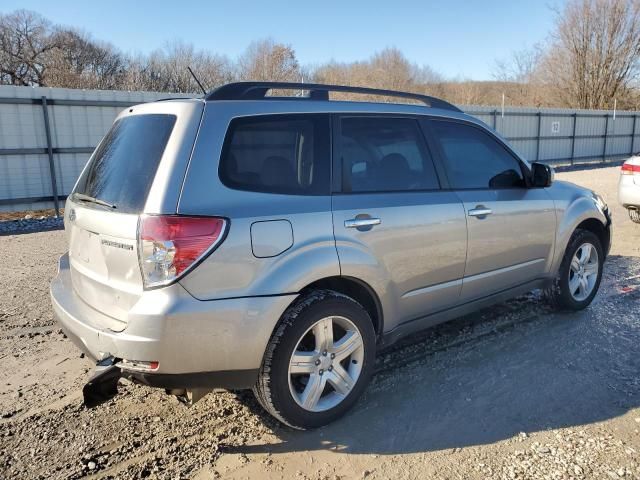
(198, 344)
(629, 191)
(231, 379)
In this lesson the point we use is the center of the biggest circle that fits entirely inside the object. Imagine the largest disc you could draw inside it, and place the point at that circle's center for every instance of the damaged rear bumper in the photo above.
(192, 343)
(103, 384)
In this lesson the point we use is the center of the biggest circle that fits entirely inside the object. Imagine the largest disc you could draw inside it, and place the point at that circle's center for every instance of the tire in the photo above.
(634, 215)
(288, 394)
(563, 294)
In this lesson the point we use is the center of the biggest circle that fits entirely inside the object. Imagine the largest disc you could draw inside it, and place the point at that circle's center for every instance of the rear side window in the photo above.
(473, 159)
(286, 154)
(125, 163)
(382, 154)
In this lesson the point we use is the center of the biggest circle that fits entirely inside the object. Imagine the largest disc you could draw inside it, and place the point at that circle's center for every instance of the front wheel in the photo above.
(634, 215)
(318, 361)
(580, 272)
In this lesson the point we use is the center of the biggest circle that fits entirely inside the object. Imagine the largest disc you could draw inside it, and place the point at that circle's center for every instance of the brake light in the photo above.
(630, 169)
(169, 245)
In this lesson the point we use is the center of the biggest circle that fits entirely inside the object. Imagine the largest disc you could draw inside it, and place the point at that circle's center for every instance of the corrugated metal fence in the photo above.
(564, 136)
(48, 134)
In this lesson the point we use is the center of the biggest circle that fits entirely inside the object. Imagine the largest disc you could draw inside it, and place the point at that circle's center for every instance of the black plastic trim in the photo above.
(317, 91)
(421, 323)
(231, 379)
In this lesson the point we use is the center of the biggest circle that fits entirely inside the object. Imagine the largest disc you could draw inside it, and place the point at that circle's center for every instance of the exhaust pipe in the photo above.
(103, 384)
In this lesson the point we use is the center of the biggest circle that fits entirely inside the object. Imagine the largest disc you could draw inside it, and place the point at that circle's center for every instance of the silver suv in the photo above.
(245, 240)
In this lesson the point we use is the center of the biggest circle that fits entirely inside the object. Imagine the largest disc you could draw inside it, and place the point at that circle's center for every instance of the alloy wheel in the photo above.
(326, 364)
(583, 272)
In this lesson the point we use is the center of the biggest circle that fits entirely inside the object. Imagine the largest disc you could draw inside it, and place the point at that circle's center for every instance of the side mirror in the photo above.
(542, 175)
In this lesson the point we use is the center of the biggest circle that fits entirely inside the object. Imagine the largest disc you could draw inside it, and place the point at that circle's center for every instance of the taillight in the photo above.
(169, 245)
(630, 169)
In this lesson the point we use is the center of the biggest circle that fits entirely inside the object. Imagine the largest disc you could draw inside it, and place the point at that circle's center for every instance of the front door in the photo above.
(511, 227)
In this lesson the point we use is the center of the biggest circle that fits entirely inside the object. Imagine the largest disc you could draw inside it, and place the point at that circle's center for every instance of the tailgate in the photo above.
(103, 260)
(137, 168)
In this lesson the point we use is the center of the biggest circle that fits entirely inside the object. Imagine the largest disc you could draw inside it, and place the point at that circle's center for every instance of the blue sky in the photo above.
(457, 38)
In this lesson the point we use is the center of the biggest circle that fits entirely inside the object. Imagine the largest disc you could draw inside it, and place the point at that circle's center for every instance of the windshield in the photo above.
(123, 166)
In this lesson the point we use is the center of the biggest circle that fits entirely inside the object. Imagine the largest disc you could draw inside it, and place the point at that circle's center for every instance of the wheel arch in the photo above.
(357, 289)
(579, 212)
(601, 231)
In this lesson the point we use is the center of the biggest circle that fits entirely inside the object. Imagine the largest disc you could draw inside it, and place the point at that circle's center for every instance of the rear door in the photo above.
(394, 226)
(101, 214)
(511, 228)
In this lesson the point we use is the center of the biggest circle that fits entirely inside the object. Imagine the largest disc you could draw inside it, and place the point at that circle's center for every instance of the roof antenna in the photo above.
(196, 79)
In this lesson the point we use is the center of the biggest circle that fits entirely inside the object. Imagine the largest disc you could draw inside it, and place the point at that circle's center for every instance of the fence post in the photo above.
(606, 132)
(573, 137)
(495, 121)
(52, 169)
(633, 134)
(538, 136)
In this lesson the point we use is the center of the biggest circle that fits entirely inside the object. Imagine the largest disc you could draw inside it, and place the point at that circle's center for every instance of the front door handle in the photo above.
(480, 211)
(362, 222)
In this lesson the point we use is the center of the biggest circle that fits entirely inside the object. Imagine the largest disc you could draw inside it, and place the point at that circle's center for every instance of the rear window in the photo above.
(125, 163)
(286, 154)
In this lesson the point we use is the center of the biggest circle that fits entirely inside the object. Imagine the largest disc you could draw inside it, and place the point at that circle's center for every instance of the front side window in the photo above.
(286, 154)
(382, 154)
(473, 159)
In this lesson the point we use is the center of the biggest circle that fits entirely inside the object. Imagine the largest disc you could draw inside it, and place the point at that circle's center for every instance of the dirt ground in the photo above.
(29, 213)
(514, 391)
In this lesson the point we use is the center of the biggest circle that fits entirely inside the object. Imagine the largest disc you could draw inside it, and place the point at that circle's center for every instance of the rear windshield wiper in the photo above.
(87, 198)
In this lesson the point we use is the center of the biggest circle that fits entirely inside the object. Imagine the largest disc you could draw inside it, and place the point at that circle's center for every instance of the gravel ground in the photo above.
(515, 391)
(29, 223)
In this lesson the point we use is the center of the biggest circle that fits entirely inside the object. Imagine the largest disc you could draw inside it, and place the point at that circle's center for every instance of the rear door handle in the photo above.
(480, 211)
(362, 222)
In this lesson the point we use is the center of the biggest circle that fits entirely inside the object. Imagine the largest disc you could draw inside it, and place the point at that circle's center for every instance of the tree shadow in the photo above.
(516, 367)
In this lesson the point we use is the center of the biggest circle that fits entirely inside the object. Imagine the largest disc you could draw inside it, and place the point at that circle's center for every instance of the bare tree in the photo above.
(25, 46)
(425, 75)
(386, 69)
(80, 62)
(392, 70)
(591, 58)
(269, 60)
(521, 66)
(166, 70)
(520, 75)
(595, 51)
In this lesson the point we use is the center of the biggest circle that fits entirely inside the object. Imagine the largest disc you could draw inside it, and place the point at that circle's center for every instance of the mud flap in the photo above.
(103, 384)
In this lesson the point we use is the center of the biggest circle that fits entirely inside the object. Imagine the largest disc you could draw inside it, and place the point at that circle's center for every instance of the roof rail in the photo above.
(317, 91)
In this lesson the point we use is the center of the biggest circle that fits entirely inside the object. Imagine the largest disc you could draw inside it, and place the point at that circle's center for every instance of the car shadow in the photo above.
(516, 367)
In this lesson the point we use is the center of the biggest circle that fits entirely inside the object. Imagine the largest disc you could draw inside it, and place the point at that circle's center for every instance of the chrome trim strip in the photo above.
(490, 273)
(433, 288)
(460, 281)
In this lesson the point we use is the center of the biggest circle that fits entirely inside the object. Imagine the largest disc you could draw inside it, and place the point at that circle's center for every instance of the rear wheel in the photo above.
(318, 361)
(634, 215)
(580, 272)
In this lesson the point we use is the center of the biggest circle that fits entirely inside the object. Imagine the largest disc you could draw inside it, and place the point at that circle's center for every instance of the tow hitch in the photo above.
(103, 384)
